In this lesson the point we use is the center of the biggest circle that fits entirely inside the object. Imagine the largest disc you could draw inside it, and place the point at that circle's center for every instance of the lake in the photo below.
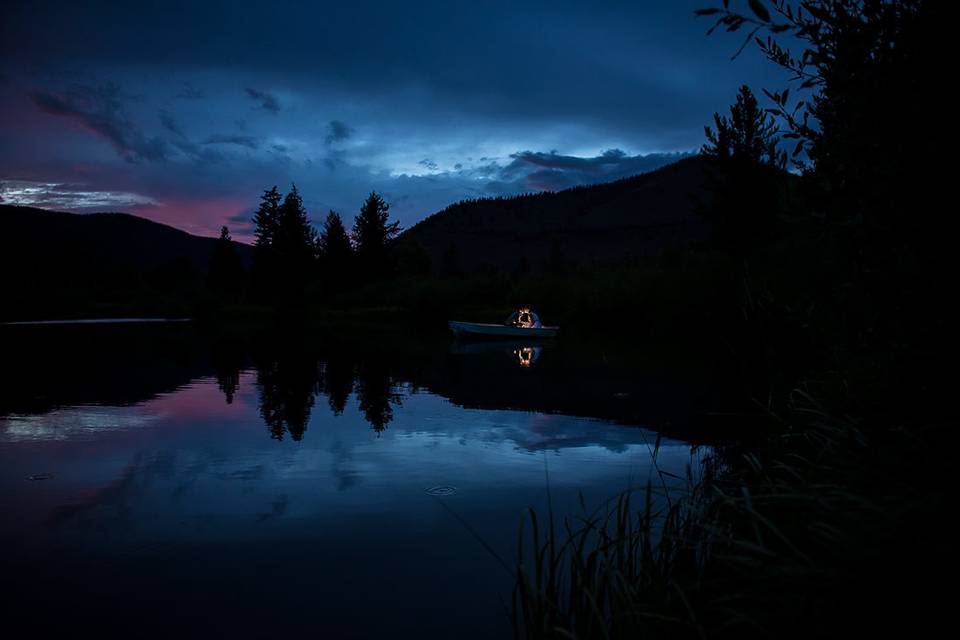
(155, 480)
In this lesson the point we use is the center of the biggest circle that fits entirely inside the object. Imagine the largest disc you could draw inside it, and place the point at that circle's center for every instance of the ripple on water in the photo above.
(442, 490)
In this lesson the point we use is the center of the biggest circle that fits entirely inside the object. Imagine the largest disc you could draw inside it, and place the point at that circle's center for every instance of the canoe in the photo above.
(477, 329)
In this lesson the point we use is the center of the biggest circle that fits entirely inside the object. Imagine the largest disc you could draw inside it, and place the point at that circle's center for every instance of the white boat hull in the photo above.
(499, 330)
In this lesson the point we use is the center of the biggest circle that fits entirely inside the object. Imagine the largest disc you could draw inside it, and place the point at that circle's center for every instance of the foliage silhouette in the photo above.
(285, 251)
(861, 99)
(266, 221)
(860, 110)
(748, 136)
(373, 234)
(336, 253)
(226, 274)
(295, 247)
(745, 185)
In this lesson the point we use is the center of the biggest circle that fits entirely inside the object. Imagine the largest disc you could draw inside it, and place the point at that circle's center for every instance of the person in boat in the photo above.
(524, 318)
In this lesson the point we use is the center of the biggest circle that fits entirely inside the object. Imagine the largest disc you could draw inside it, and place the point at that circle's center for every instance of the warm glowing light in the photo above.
(524, 318)
(526, 356)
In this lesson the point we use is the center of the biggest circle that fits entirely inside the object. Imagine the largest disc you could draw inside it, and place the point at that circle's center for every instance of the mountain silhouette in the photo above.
(103, 237)
(55, 263)
(598, 224)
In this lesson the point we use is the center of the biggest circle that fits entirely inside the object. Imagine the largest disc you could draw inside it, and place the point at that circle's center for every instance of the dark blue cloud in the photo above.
(337, 131)
(176, 138)
(99, 109)
(267, 101)
(241, 141)
(553, 171)
(170, 124)
(190, 92)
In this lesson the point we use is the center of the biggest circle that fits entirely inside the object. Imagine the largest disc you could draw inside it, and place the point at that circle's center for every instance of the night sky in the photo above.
(183, 112)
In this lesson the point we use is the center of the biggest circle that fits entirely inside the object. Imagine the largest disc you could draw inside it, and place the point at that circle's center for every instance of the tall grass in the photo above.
(788, 539)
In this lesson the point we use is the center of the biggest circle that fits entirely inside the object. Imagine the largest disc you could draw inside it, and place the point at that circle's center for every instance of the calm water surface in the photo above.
(156, 483)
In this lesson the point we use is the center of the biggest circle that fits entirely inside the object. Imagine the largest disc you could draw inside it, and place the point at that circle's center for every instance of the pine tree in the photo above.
(267, 217)
(225, 275)
(746, 185)
(372, 234)
(295, 239)
(334, 241)
(335, 252)
(266, 221)
(285, 249)
(749, 135)
(294, 247)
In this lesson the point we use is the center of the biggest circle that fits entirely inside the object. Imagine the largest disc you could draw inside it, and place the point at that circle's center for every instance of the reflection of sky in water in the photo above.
(188, 469)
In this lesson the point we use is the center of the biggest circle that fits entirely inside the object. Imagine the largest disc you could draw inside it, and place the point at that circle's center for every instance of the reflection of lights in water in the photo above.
(526, 356)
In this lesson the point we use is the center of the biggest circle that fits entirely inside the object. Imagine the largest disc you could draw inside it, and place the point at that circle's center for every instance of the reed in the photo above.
(781, 540)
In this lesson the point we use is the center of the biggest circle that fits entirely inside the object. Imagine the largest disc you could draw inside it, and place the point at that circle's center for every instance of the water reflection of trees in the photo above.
(375, 393)
(227, 360)
(289, 380)
(289, 384)
(336, 381)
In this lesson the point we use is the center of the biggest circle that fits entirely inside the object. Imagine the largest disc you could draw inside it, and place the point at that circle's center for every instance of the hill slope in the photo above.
(604, 223)
(54, 263)
(107, 237)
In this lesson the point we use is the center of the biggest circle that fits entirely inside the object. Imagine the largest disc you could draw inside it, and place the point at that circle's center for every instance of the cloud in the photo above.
(74, 197)
(337, 131)
(241, 225)
(241, 141)
(189, 92)
(170, 124)
(100, 111)
(541, 171)
(428, 164)
(182, 143)
(268, 102)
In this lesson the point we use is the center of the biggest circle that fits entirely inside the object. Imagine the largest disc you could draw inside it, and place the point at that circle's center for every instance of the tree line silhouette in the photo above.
(293, 261)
